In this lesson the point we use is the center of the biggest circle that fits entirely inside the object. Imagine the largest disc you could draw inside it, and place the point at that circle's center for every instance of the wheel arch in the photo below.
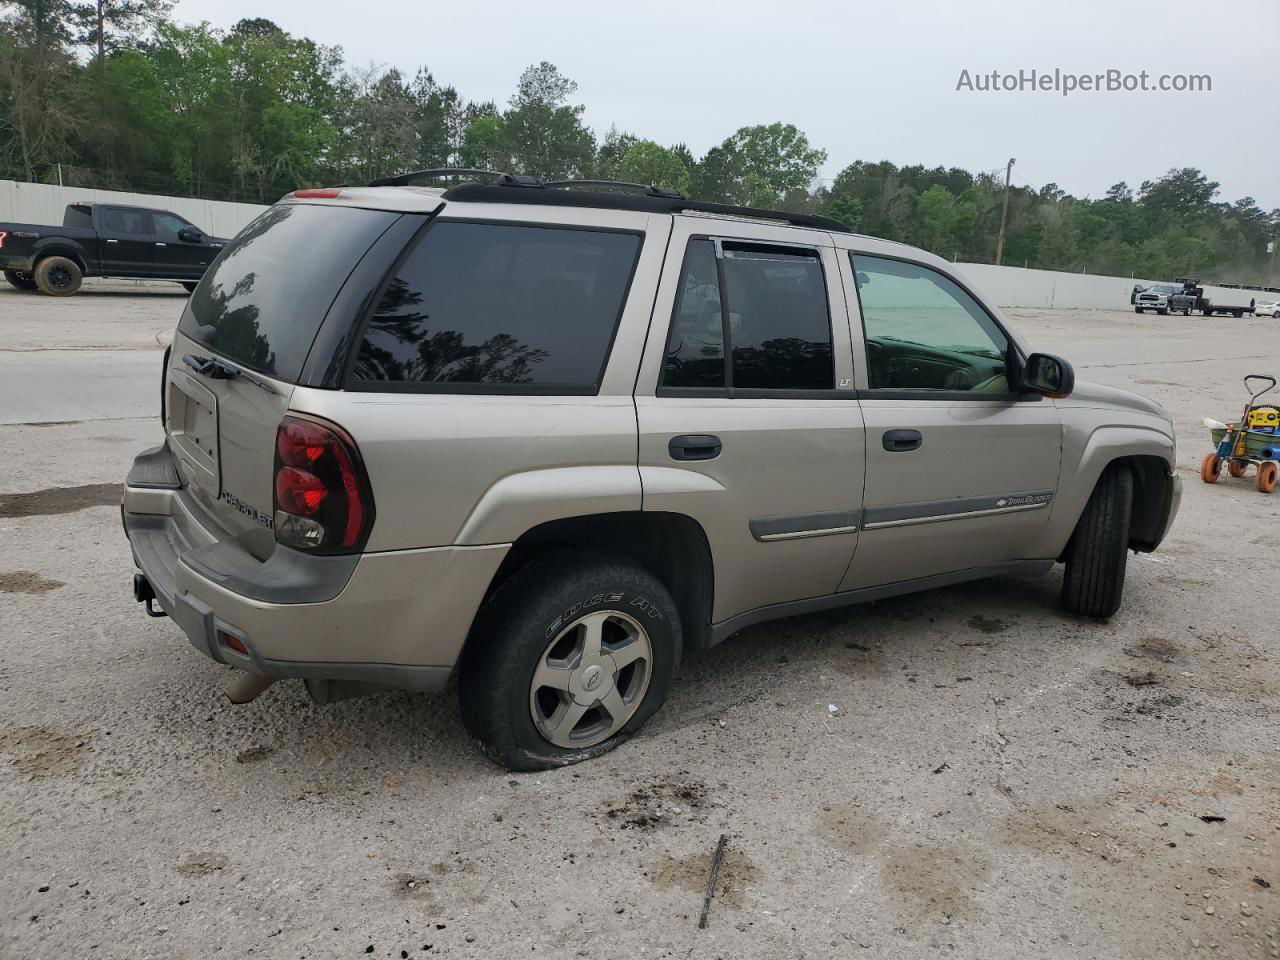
(60, 248)
(1148, 453)
(671, 546)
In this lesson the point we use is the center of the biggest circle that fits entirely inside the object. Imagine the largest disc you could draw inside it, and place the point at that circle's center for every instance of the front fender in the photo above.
(1087, 451)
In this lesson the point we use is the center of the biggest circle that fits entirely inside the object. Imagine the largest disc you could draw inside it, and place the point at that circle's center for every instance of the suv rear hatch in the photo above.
(240, 348)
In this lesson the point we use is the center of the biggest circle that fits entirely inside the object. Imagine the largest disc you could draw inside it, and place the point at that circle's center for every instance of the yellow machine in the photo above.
(1262, 419)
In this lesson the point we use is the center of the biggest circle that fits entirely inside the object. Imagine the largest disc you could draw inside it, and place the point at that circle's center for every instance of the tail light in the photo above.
(323, 501)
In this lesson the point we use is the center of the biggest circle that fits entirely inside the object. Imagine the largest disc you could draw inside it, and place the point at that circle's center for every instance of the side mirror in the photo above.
(190, 235)
(1049, 375)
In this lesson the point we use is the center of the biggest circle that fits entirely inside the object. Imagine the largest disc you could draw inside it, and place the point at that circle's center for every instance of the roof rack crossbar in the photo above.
(644, 188)
(645, 202)
(412, 177)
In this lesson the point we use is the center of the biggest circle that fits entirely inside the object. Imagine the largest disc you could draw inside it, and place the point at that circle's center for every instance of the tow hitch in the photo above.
(144, 593)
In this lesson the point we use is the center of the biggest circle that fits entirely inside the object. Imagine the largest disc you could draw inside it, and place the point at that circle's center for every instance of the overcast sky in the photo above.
(865, 79)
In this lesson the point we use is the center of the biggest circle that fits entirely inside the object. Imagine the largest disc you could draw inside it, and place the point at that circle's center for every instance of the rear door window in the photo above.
(264, 297)
(491, 307)
(122, 220)
(772, 301)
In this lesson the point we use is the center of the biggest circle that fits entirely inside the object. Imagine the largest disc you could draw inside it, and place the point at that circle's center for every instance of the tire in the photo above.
(1137, 310)
(1237, 314)
(58, 276)
(190, 285)
(1268, 473)
(1237, 468)
(537, 624)
(1210, 466)
(1098, 550)
(1162, 313)
(21, 281)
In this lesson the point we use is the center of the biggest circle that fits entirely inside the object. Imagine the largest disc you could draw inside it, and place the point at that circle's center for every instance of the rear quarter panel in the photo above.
(478, 469)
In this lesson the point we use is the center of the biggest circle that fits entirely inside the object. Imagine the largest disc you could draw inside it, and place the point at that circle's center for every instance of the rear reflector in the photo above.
(318, 193)
(232, 641)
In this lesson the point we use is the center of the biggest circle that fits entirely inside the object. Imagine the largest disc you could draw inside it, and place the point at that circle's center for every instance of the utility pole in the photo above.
(1004, 213)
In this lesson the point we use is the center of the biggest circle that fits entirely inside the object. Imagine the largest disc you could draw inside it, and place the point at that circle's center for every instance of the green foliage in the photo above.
(253, 112)
(647, 162)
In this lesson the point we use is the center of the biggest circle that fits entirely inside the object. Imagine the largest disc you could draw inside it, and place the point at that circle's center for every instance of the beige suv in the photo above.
(548, 437)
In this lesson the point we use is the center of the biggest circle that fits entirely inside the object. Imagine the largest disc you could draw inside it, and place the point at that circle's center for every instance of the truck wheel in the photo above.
(23, 281)
(1162, 313)
(1096, 554)
(1137, 309)
(1237, 314)
(568, 659)
(58, 276)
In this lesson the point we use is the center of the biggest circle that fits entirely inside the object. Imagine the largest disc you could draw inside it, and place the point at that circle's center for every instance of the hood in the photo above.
(1089, 394)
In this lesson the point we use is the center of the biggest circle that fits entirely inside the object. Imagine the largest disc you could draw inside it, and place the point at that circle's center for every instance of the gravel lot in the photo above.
(966, 772)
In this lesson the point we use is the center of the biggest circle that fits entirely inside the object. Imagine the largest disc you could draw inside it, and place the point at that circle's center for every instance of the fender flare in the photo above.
(60, 247)
(1106, 444)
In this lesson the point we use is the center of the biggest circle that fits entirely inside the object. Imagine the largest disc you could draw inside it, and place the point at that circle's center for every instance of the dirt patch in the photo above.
(39, 752)
(54, 500)
(202, 864)
(846, 827)
(936, 879)
(987, 624)
(1154, 648)
(664, 801)
(858, 660)
(690, 873)
(254, 754)
(27, 581)
(408, 886)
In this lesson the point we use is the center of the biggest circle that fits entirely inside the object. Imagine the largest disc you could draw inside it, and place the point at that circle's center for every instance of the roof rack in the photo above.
(413, 177)
(646, 189)
(501, 192)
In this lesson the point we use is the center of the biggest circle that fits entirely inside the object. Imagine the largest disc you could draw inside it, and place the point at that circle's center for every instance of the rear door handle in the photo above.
(899, 441)
(694, 447)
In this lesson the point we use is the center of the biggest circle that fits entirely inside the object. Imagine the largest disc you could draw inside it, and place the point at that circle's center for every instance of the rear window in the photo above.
(495, 306)
(77, 215)
(262, 301)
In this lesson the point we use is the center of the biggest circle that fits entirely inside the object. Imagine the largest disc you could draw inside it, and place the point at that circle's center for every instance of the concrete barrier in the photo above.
(1005, 286)
(1021, 287)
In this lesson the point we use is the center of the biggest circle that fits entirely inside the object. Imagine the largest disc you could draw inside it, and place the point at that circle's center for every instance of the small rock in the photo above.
(1210, 911)
(470, 938)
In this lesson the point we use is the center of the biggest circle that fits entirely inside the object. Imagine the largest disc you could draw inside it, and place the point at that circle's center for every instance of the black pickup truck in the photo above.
(105, 240)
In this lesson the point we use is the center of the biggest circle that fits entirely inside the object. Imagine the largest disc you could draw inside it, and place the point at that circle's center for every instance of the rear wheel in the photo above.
(58, 276)
(1237, 468)
(1210, 466)
(568, 659)
(23, 281)
(1268, 473)
(1098, 551)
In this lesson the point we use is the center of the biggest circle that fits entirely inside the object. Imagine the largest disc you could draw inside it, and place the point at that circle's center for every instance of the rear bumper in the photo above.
(20, 264)
(394, 619)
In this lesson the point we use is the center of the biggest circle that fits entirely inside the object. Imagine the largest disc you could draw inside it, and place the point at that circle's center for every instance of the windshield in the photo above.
(262, 301)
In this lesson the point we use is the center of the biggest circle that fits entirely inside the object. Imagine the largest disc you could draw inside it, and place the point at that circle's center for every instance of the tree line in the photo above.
(115, 94)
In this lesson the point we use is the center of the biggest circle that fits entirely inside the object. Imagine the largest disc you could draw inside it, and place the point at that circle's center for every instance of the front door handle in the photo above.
(899, 441)
(694, 447)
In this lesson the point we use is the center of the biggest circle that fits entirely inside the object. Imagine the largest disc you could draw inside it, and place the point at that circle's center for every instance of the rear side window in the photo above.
(123, 220)
(493, 306)
(773, 303)
(262, 301)
(77, 215)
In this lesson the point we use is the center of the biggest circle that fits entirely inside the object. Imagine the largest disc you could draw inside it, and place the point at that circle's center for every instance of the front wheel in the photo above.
(1210, 468)
(58, 276)
(1137, 310)
(1096, 555)
(567, 660)
(22, 281)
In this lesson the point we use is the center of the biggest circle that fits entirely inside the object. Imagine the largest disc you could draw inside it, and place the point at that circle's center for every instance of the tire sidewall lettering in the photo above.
(639, 606)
